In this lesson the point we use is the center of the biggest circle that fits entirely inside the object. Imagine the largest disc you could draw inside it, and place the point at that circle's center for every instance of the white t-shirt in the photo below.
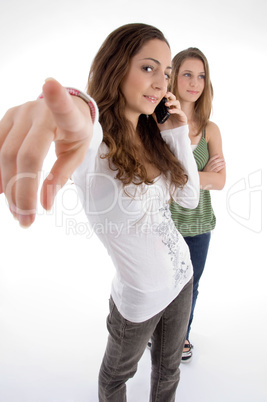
(134, 223)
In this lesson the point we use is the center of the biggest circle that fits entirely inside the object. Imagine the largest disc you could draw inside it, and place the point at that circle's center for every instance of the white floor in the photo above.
(54, 289)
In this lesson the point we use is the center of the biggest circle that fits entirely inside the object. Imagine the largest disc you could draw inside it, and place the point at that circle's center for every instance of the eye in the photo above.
(148, 69)
(202, 77)
(167, 76)
(187, 74)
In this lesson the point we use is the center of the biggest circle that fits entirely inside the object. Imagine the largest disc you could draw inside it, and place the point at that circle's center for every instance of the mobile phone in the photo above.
(161, 111)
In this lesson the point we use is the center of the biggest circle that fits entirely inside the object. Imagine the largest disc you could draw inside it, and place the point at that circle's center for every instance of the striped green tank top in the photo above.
(192, 222)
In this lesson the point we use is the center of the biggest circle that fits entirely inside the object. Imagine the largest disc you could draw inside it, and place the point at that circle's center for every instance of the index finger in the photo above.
(15, 138)
(22, 188)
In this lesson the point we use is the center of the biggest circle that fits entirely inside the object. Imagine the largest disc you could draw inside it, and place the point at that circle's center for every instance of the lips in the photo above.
(193, 92)
(152, 99)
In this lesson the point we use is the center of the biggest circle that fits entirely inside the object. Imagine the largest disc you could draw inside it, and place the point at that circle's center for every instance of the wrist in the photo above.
(86, 98)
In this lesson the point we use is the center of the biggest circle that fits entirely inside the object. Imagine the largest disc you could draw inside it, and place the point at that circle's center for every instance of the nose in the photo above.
(193, 81)
(160, 82)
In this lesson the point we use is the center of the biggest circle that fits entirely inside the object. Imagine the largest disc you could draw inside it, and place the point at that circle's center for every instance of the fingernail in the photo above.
(49, 79)
(26, 220)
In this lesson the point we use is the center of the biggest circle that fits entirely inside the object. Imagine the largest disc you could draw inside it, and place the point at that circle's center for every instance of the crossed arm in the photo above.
(214, 174)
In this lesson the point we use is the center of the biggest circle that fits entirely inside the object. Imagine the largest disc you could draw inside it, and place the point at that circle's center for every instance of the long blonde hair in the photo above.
(107, 72)
(203, 105)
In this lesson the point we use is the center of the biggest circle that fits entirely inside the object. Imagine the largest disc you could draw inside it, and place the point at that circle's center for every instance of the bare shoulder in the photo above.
(212, 131)
(214, 139)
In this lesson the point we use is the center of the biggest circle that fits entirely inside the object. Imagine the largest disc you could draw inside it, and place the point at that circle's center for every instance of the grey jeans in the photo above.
(127, 342)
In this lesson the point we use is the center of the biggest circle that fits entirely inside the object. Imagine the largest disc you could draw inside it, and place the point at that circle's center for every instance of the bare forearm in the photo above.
(212, 180)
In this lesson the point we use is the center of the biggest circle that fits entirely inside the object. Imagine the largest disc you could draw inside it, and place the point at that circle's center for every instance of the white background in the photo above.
(55, 277)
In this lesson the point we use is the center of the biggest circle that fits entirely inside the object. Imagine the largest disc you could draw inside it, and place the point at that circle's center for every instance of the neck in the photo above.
(132, 118)
(188, 109)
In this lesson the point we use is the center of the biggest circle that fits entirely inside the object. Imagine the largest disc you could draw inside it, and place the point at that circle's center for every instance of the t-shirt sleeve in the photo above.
(179, 143)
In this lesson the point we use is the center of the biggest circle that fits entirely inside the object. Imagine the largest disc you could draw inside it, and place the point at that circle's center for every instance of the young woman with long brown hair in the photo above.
(191, 84)
(126, 170)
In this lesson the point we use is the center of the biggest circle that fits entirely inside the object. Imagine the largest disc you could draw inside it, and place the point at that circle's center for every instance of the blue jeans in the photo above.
(127, 342)
(198, 246)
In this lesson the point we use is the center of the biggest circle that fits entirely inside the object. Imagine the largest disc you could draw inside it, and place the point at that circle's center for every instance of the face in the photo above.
(147, 79)
(191, 80)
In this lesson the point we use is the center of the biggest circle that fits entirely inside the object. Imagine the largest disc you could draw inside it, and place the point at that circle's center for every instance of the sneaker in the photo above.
(187, 356)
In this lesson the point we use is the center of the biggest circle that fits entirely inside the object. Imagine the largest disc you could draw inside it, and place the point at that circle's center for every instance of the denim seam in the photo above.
(122, 331)
(162, 346)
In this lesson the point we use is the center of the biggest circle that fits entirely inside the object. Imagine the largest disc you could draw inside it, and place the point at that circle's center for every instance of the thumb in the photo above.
(68, 116)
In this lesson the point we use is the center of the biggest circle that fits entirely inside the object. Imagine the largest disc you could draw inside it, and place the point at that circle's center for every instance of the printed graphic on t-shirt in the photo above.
(170, 237)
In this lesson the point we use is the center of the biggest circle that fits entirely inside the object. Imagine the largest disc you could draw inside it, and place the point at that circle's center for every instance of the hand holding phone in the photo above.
(161, 111)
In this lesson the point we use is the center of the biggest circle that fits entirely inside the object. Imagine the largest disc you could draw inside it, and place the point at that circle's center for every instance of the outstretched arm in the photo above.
(26, 134)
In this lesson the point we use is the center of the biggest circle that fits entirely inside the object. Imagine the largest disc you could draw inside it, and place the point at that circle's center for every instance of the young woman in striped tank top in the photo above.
(192, 86)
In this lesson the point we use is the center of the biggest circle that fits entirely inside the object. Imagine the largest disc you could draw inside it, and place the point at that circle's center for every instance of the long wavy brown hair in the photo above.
(107, 72)
(203, 105)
